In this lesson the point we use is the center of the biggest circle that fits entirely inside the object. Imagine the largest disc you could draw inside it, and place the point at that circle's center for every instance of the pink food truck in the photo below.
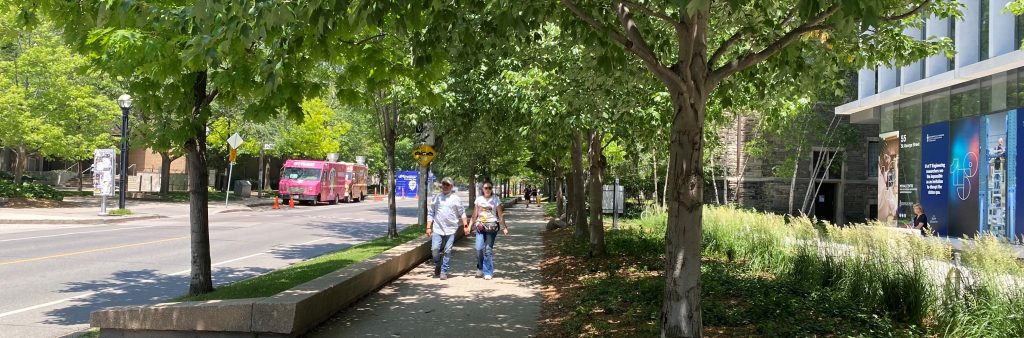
(322, 181)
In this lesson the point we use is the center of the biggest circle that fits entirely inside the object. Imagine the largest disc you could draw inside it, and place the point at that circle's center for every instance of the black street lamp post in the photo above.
(125, 102)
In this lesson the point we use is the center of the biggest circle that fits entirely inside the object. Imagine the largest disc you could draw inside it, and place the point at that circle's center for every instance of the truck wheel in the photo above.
(334, 201)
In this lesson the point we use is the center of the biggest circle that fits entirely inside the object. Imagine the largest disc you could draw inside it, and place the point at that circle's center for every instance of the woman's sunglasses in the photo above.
(487, 188)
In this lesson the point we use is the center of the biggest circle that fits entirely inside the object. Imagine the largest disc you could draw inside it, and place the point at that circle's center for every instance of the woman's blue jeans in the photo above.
(485, 251)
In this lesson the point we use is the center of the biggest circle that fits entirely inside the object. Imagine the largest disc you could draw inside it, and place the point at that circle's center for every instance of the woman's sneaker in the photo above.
(479, 273)
(488, 277)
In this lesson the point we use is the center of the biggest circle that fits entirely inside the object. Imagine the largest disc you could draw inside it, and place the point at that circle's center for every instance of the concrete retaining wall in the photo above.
(287, 314)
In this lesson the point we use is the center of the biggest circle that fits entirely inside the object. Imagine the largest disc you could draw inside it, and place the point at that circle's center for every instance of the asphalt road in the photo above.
(54, 275)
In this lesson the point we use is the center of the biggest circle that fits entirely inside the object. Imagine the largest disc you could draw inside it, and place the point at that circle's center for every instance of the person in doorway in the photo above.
(445, 211)
(488, 216)
(921, 220)
(526, 195)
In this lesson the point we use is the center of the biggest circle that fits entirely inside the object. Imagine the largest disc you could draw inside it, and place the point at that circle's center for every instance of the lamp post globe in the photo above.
(125, 102)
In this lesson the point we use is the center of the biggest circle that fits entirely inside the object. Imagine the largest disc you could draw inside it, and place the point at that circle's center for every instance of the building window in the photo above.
(952, 40)
(888, 118)
(909, 114)
(936, 106)
(828, 164)
(874, 148)
(1018, 30)
(983, 39)
(965, 100)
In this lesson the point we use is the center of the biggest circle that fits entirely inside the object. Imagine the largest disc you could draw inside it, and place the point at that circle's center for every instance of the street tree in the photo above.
(54, 107)
(193, 53)
(693, 47)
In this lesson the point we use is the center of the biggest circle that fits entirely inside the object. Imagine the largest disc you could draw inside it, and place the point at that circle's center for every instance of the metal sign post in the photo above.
(234, 142)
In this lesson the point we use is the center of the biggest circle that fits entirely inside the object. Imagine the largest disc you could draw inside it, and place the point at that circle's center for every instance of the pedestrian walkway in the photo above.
(417, 305)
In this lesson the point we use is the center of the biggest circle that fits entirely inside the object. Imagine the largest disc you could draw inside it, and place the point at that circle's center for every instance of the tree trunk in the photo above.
(389, 149)
(596, 173)
(714, 181)
(80, 177)
(472, 189)
(560, 197)
(20, 164)
(681, 312)
(792, 180)
(655, 190)
(664, 191)
(199, 218)
(577, 197)
(165, 172)
(725, 184)
(570, 207)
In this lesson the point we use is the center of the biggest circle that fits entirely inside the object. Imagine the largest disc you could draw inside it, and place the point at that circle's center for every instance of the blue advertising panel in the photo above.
(934, 175)
(993, 171)
(965, 146)
(407, 183)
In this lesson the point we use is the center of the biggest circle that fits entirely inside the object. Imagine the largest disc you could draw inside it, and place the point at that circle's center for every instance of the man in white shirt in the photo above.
(445, 211)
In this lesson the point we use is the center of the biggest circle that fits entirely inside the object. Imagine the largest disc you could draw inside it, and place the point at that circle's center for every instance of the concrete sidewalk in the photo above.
(141, 210)
(416, 305)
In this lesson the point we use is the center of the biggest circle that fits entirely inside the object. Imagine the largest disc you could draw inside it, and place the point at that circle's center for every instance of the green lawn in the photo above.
(284, 279)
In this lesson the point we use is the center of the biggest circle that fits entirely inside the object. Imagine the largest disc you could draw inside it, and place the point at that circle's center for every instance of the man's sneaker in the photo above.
(444, 276)
(488, 277)
(479, 273)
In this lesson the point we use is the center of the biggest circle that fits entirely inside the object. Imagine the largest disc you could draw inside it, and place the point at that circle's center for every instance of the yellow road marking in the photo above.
(89, 251)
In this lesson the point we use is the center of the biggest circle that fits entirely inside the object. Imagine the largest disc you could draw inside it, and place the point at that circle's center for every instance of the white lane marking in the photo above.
(39, 306)
(182, 272)
(30, 308)
(77, 233)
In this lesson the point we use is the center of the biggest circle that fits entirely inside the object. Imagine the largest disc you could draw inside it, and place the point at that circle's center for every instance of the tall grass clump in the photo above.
(984, 295)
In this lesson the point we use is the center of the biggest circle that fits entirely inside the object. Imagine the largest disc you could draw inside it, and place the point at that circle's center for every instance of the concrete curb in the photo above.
(112, 220)
(287, 314)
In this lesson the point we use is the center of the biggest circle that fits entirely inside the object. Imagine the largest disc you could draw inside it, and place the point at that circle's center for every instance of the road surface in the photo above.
(54, 275)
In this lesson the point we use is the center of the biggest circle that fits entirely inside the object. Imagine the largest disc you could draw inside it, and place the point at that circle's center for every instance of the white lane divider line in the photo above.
(77, 233)
(30, 308)
(87, 294)
(182, 272)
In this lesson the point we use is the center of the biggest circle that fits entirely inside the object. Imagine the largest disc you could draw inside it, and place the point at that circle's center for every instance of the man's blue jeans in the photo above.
(485, 251)
(441, 257)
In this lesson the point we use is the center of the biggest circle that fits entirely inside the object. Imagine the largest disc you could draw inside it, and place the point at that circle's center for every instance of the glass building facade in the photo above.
(949, 126)
(954, 151)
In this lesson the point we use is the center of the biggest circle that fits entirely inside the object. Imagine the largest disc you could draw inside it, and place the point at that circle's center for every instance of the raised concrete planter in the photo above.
(287, 314)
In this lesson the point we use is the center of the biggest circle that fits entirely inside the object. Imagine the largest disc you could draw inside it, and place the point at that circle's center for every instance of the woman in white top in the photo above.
(488, 217)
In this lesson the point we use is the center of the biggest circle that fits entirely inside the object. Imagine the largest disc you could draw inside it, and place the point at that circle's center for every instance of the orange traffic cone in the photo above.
(291, 202)
(276, 204)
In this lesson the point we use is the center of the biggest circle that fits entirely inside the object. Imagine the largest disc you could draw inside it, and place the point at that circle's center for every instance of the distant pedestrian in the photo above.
(488, 216)
(445, 210)
(526, 195)
(921, 220)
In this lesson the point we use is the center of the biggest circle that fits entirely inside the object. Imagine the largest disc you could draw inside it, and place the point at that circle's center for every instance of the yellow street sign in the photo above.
(233, 156)
(424, 154)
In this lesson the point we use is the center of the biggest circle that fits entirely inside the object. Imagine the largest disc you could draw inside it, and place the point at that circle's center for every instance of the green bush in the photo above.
(29, 190)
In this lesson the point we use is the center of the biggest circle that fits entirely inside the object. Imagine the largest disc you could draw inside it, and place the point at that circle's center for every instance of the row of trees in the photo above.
(573, 89)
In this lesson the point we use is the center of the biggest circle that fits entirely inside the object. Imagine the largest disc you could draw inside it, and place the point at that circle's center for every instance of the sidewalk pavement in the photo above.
(417, 305)
(141, 210)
